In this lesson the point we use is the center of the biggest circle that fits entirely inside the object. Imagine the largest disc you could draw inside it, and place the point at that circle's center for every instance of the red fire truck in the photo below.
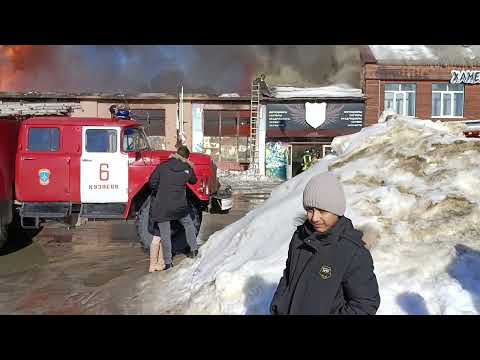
(94, 168)
(8, 146)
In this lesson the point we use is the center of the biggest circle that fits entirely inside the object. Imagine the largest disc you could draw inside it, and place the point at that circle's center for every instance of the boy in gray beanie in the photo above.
(329, 270)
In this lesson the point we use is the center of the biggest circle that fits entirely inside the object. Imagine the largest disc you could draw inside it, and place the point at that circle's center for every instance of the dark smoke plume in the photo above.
(205, 69)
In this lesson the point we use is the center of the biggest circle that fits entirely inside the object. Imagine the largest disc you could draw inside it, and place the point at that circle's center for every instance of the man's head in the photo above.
(183, 152)
(324, 201)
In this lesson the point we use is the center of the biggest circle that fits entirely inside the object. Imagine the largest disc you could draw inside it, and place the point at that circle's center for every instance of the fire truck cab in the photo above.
(98, 168)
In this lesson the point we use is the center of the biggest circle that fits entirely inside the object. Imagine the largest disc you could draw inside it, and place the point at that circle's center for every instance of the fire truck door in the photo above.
(43, 169)
(103, 167)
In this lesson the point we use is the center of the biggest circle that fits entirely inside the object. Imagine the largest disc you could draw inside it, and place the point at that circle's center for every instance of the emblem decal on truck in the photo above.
(44, 176)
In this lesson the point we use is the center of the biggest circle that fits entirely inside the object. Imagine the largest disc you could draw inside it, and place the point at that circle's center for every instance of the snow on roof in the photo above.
(229, 95)
(332, 91)
(427, 54)
(412, 182)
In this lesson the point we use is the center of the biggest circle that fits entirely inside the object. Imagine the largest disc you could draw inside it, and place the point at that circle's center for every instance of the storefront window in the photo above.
(153, 121)
(243, 136)
(447, 100)
(226, 135)
(211, 134)
(436, 104)
(458, 103)
(229, 123)
(229, 135)
(211, 123)
(400, 98)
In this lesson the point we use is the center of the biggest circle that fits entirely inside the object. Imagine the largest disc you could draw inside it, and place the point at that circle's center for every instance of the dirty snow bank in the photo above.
(415, 181)
(246, 181)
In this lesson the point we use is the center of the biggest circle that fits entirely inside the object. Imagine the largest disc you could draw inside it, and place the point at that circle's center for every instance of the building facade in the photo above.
(297, 129)
(421, 83)
(220, 125)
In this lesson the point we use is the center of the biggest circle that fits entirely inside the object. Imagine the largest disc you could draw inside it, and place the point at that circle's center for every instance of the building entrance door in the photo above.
(303, 155)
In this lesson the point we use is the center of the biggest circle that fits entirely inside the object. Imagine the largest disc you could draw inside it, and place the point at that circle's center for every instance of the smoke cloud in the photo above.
(199, 68)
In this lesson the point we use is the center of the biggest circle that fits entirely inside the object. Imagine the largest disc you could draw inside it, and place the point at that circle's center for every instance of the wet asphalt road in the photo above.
(84, 270)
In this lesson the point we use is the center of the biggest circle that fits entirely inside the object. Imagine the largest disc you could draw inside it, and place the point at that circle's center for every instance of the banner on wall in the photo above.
(197, 128)
(309, 119)
(276, 159)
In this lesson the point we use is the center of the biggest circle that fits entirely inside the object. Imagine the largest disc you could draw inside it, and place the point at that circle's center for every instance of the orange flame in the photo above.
(15, 62)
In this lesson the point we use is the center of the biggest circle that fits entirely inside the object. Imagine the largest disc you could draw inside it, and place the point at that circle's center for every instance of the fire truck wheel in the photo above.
(32, 232)
(144, 228)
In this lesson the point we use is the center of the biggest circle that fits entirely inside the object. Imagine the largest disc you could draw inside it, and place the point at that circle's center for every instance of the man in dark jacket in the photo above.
(169, 182)
(329, 270)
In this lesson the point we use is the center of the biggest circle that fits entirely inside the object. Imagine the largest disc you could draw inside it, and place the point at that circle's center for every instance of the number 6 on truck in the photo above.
(103, 166)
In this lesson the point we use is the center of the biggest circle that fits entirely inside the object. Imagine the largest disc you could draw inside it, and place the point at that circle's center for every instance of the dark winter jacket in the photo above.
(169, 182)
(329, 273)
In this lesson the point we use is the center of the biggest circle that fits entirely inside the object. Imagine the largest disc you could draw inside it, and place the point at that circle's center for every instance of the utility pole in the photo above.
(180, 117)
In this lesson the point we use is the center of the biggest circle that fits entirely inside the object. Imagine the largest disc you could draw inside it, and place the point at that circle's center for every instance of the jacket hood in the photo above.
(180, 164)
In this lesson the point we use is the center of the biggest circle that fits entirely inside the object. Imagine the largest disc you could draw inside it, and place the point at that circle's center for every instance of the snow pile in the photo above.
(333, 91)
(414, 181)
(245, 180)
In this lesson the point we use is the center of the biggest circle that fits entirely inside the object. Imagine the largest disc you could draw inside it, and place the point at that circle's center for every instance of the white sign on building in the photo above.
(465, 77)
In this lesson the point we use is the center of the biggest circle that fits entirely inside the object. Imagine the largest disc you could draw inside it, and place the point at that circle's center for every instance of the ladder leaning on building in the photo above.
(254, 120)
(37, 109)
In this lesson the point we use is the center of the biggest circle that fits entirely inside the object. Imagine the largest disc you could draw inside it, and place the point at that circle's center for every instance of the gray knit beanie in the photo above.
(325, 192)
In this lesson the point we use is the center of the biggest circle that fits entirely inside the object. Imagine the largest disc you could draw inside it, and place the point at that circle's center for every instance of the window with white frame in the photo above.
(400, 98)
(447, 100)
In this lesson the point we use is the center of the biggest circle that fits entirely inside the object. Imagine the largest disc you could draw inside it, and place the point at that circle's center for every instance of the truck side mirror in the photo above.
(138, 155)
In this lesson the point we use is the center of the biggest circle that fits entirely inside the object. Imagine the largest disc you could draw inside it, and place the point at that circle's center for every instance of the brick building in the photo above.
(435, 82)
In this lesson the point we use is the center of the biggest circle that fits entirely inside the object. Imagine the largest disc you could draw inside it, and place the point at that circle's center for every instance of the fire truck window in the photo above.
(101, 141)
(133, 140)
(43, 139)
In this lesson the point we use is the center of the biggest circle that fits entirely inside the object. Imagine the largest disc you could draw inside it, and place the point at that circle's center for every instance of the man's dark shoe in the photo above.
(193, 254)
(168, 266)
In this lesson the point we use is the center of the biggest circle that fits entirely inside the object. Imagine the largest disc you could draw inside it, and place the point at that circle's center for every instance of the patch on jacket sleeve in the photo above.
(325, 272)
